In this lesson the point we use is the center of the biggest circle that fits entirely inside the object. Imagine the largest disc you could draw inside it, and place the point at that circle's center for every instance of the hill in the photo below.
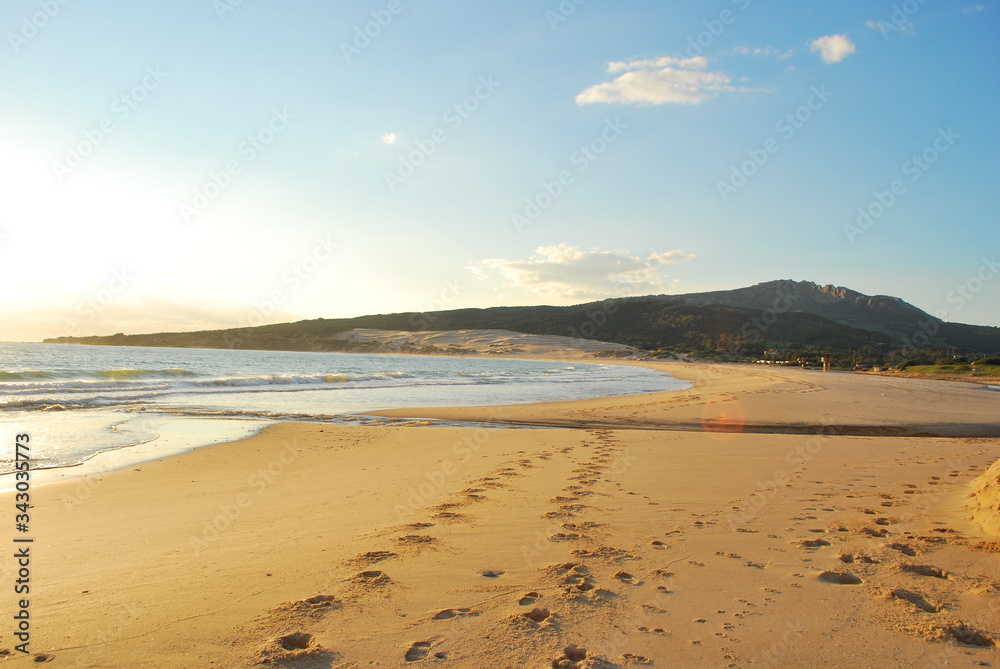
(879, 313)
(794, 318)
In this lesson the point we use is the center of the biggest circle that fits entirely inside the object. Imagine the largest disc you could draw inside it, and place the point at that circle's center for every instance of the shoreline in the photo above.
(739, 416)
(106, 461)
(164, 445)
(641, 547)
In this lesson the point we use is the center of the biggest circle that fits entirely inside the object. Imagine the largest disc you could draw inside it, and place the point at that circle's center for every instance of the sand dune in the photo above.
(477, 342)
(312, 546)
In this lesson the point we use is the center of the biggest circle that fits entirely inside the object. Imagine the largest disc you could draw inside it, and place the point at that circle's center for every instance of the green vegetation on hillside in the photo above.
(657, 324)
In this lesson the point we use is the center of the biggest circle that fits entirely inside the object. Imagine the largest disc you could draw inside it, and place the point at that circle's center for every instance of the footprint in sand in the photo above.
(320, 601)
(914, 598)
(969, 636)
(626, 578)
(372, 557)
(571, 657)
(529, 598)
(417, 651)
(565, 536)
(537, 615)
(579, 583)
(606, 552)
(414, 540)
(840, 578)
(448, 614)
(903, 548)
(636, 659)
(295, 641)
(851, 559)
(655, 630)
(925, 570)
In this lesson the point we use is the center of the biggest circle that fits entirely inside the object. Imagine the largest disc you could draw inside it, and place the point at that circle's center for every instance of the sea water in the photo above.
(78, 401)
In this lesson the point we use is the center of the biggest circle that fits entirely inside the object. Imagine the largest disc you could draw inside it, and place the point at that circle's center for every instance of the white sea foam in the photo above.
(80, 400)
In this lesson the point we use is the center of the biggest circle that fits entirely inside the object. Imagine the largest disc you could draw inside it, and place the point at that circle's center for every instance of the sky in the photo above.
(205, 164)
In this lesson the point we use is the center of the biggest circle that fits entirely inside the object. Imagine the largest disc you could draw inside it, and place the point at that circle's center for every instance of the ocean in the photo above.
(76, 402)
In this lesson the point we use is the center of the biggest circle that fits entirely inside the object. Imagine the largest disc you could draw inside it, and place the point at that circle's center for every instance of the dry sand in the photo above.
(986, 504)
(476, 343)
(762, 518)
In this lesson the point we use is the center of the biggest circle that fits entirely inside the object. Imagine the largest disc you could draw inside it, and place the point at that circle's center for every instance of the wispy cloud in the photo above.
(568, 272)
(390, 138)
(906, 28)
(769, 50)
(978, 7)
(695, 63)
(833, 48)
(661, 81)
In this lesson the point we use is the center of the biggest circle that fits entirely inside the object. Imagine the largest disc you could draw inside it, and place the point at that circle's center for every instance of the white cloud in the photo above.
(833, 48)
(694, 63)
(569, 272)
(669, 257)
(390, 138)
(909, 28)
(968, 9)
(660, 81)
(756, 51)
(769, 50)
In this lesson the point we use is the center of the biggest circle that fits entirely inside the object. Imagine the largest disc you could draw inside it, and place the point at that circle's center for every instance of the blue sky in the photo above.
(200, 164)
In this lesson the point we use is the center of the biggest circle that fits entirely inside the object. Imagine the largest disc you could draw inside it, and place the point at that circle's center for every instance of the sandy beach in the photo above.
(508, 335)
(764, 517)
